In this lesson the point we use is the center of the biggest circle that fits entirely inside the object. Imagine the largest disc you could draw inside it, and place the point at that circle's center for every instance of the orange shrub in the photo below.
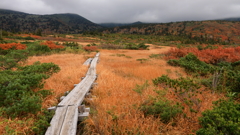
(16, 46)
(90, 48)
(28, 35)
(52, 45)
(35, 36)
(212, 56)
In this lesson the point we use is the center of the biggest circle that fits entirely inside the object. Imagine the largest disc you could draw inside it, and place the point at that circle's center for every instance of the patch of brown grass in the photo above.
(116, 108)
(189, 123)
(72, 70)
(116, 105)
(16, 126)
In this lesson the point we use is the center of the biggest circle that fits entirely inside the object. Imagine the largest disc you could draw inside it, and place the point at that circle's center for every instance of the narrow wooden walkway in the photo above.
(64, 122)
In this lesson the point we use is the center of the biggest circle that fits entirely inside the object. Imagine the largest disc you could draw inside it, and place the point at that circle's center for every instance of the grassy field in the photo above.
(116, 107)
(124, 88)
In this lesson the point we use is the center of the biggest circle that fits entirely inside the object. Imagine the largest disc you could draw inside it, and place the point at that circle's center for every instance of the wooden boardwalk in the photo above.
(67, 113)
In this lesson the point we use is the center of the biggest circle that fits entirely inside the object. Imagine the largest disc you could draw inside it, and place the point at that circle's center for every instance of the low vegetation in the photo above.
(147, 84)
(219, 72)
(21, 88)
(223, 119)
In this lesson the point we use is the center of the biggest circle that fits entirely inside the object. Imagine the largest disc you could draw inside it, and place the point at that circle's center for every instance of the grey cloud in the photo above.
(131, 10)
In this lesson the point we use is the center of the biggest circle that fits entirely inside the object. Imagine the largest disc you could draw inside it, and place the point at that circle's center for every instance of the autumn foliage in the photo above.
(35, 36)
(28, 35)
(90, 48)
(211, 56)
(52, 45)
(16, 46)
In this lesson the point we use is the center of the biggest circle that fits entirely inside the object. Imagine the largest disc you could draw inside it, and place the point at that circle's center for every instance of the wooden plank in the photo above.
(79, 100)
(79, 92)
(67, 100)
(98, 54)
(88, 61)
(64, 122)
(69, 126)
(76, 96)
(92, 68)
(57, 121)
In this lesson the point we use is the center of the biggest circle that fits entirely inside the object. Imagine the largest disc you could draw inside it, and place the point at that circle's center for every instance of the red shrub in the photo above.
(52, 45)
(16, 46)
(35, 36)
(213, 56)
(90, 48)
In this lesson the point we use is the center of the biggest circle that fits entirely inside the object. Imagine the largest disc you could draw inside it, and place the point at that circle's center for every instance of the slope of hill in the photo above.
(232, 19)
(111, 25)
(15, 21)
(220, 31)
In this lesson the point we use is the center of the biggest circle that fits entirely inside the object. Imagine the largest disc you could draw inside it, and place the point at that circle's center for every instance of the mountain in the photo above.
(15, 21)
(111, 25)
(231, 19)
(212, 31)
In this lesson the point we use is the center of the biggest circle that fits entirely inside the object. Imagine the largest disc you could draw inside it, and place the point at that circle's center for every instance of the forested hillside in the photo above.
(111, 25)
(202, 31)
(14, 21)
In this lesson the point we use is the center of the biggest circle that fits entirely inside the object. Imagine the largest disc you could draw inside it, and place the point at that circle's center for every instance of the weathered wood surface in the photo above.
(76, 96)
(88, 61)
(69, 126)
(57, 120)
(64, 122)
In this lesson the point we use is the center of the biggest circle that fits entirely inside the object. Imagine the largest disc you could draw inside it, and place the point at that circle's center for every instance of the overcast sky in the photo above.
(123, 11)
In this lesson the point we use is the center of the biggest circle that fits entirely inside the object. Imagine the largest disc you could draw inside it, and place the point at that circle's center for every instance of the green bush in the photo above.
(180, 85)
(21, 38)
(142, 46)
(21, 87)
(72, 45)
(25, 104)
(36, 49)
(140, 88)
(161, 108)
(131, 46)
(12, 59)
(155, 56)
(225, 75)
(16, 88)
(134, 46)
(42, 123)
(185, 90)
(222, 120)
(192, 64)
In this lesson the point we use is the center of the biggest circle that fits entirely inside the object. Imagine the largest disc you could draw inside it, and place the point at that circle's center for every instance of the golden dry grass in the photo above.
(115, 108)
(15, 126)
(116, 103)
(72, 70)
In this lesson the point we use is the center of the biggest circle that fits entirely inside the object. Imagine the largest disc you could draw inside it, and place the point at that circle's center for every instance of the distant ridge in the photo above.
(232, 19)
(111, 25)
(15, 21)
(215, 31)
